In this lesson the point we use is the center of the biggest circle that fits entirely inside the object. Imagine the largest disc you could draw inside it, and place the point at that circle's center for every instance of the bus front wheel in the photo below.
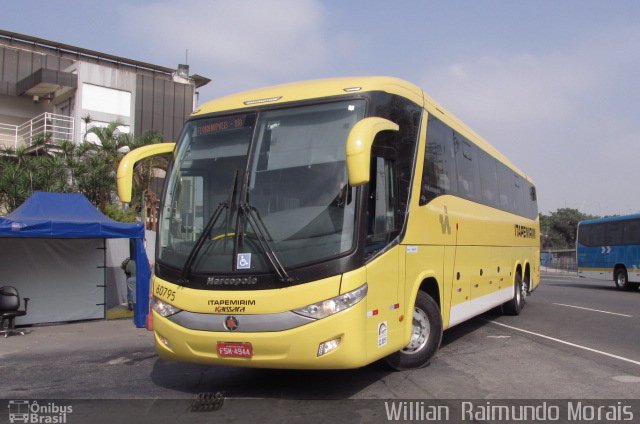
(426, 334)
(621, 279)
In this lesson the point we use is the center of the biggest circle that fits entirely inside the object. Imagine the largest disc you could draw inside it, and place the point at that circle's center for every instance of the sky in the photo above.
(554, 85)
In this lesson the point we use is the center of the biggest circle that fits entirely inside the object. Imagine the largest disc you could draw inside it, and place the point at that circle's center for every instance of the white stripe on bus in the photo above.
(465, 310)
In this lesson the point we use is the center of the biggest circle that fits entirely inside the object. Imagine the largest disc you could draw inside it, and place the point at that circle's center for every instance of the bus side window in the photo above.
(613, 234)
(439, 171)
(597, 235)
(583, 234)
(632, 232)
(488, 179)
(382, 222)
(467, 167)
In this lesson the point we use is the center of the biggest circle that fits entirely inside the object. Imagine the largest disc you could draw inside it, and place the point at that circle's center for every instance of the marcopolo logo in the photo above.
(24, 411)
(231, 323)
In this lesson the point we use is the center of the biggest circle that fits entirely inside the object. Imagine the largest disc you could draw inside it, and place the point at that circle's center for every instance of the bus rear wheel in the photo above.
(426, 335)
(621, 279)
(515, 305)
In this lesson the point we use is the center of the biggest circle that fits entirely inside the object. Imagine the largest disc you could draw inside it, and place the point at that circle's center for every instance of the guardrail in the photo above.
(47, 127)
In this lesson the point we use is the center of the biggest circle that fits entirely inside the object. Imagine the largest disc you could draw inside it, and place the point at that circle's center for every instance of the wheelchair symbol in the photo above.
(244, 261)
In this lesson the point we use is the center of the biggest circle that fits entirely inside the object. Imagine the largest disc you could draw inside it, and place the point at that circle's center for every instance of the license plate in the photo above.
(235, 350)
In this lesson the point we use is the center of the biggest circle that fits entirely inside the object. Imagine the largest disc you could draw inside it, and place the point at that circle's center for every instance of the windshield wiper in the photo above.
(186, 270)
(193, 253)
(252, 217)
(262, 234)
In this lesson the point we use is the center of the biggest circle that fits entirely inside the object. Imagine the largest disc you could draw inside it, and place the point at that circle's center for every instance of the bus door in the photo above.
(383, 271)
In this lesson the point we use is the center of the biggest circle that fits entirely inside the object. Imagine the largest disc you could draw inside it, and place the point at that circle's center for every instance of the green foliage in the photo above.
(558, 229)
(88, 168)
(21, 174)
(117, 214)
(143, 172)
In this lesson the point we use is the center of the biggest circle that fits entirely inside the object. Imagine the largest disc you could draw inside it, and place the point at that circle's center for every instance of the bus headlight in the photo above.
(163, 308)
(331, 306)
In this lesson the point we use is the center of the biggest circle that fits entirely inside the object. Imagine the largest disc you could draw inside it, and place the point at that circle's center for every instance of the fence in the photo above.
(48, 127)
(564, 260)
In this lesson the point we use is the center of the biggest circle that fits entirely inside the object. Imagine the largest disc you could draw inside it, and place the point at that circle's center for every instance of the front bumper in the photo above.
(295, 348)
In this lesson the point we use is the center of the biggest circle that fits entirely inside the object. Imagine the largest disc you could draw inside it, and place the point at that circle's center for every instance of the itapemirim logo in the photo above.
(32, 412)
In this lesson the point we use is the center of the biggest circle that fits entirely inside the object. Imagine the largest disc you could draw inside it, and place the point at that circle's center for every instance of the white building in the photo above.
(54, 89)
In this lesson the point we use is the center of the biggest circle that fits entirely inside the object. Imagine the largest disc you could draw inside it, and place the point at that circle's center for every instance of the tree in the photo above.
(112, 143)
(558, 229)
(97, 163)
(89, 168)
(145, 169)
(21, 174)
(14, 183)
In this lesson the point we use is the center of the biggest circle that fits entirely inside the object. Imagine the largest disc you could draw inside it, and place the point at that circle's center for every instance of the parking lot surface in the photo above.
(575, 339)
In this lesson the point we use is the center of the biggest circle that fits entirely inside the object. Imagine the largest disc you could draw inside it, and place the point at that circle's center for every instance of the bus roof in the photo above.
(304, 90)
(610, 219)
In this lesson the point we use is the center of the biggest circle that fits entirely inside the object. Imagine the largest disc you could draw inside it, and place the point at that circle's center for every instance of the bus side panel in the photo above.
(632, 261)
(383, 334)
(422, 263)
(430, 244)
(591, 263)
(482, 249)
(535, 268)
(491, 244)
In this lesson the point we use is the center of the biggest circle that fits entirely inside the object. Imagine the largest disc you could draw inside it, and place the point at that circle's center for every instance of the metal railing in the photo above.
(558, 260)
(49, 128)
(8, 135)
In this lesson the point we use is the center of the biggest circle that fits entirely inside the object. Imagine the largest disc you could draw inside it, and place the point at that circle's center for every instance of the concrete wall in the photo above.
(103, 76)
(162, 106)
(16, 110)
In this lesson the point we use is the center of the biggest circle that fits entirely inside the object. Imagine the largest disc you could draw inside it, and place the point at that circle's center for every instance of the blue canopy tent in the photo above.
(72, 216)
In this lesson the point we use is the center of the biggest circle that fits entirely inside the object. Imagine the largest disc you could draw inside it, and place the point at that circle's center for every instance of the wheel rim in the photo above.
(621, 279)
(524, 287)
(420, 332)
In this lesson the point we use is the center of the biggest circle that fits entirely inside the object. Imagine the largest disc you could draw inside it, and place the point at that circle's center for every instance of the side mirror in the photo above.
(359, 144)
(125, 169)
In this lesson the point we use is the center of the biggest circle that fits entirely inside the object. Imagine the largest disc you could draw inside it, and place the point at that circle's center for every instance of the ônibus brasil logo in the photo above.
(25, 411)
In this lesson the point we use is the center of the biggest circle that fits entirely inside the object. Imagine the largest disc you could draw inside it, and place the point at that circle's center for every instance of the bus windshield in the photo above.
(258, 182)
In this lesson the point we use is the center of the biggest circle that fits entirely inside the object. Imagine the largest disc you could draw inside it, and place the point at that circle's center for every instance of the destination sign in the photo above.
(211, 126)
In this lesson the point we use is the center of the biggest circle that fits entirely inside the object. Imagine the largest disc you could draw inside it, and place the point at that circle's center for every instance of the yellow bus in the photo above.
(332, 223)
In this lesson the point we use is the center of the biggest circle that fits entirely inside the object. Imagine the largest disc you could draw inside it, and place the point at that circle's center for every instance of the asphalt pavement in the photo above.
(575, 339)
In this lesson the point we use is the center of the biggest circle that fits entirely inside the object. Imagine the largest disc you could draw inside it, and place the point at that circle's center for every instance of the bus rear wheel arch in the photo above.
(426, 335)
(526, 281)
(621, 278)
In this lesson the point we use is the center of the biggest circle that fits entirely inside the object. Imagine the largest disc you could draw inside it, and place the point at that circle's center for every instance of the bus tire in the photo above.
(515, 305)
(621, 278)
(426, 336)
